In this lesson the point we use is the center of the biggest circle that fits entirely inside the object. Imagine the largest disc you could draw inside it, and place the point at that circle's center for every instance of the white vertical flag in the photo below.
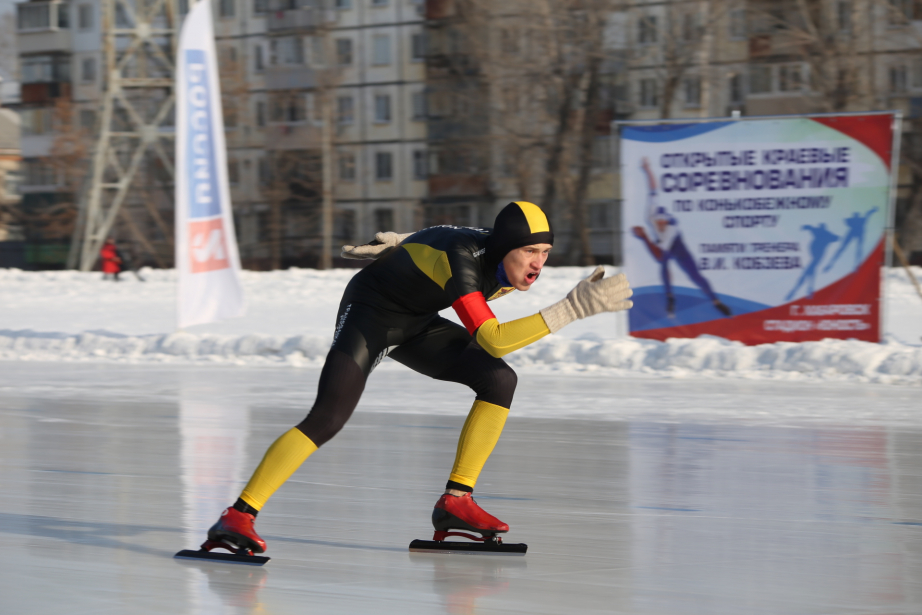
(207, 262)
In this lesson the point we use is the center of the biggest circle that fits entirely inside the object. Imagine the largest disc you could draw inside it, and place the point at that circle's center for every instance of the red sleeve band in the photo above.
(473, 310)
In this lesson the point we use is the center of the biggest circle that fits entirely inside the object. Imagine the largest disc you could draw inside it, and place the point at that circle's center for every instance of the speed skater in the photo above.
(391, 308)
(668, 245)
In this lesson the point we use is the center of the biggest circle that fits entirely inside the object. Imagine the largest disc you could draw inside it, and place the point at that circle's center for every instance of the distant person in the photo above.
(855, 224)
(111, 261)
(822, 239)
(668, 245)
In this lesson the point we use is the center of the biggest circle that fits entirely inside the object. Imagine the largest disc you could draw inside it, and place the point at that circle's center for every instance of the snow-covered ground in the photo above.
(71, 316)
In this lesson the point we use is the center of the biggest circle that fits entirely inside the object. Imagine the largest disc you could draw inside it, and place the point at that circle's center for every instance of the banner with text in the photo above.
(207, 261)
(758, 231)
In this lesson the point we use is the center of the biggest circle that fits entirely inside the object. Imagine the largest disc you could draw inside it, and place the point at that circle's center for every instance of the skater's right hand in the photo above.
(639, 232)
(374, 249)
(594, 295)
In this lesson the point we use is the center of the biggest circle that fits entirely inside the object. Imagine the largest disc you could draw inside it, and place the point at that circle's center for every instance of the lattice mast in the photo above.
(140, 38)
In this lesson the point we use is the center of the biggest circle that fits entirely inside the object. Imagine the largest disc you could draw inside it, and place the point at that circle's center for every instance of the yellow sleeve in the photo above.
(501, 339)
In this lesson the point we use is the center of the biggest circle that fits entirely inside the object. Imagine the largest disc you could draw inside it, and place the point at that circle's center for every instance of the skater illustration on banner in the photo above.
(668, 245)
(855, 223)
(822, 239)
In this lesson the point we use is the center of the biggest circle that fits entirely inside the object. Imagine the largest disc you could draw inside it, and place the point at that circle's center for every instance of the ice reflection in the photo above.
(763, 508)
(461, 580)
(213, 453)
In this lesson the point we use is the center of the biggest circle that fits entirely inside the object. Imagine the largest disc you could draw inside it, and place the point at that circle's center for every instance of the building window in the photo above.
(790, 78)
(509, 41)
(384, 166)
(88, 70)
(36, 121)
(226, 8)
(601, 153)
(382, 108)
(44, 69)
(260, 113)
(343, 4)
(735, 87)
(259, 61)
(844, 16)
(898, 79)
(384, 219)
(690, 29)
(344, 225)
(37, 172)
(379, 2)
(381, 50)
(85, 16)
(260, 7)
(737, 24)
(347, 166)
(917, 74)
(233, 172)
(345, 110)
(692, 87)
(900, 12)
(420, 166)
(289, 108)
(418, 47)
(88, 119)
(286, 50)
(760, 79)
(649, 93)
(646, 29)
(33, 16)
(418, 102)
(598, 216)
(344, 51)
(318, 56)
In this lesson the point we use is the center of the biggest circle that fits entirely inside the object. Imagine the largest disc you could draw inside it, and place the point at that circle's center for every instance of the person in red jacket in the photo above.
(111, 261)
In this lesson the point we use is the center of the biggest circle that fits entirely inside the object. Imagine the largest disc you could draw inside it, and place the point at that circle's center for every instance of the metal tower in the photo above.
(136, 128)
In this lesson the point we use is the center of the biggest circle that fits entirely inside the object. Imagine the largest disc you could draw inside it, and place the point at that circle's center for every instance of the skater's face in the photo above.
(523, 265)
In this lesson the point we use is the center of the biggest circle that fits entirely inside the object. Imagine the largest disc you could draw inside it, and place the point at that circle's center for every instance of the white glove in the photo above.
(374, 249)
(590, 297)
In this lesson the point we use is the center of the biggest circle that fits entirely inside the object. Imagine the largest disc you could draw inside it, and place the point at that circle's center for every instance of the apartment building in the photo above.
(443, 109)
(276, 57)
(662, 59)
(281, 60)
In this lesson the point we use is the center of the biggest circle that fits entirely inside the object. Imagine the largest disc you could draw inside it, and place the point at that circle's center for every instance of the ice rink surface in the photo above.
(683, 496)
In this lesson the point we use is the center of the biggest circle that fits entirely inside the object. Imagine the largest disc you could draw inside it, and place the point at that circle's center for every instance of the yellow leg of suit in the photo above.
(479, 435)
(281, 460)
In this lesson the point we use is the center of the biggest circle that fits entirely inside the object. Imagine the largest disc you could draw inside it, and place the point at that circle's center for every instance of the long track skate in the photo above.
(237, 555)
(462, 513)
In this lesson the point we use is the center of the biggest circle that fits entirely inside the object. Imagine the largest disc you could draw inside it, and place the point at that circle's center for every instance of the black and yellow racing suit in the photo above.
(391, 308)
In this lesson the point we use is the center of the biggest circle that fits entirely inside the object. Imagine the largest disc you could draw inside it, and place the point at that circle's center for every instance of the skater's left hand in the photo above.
(594, 295)
(374, 249)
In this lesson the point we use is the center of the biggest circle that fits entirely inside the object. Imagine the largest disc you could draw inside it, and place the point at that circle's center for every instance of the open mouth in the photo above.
(531, 277)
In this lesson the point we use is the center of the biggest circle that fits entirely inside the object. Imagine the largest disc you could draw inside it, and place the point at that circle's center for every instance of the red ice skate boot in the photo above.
(461, 512)
(236, 528)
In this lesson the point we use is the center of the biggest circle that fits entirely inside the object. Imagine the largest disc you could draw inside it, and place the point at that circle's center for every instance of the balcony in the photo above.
(457, 185)
(294, 19)
(41, 93)
(43, 26)
(293, 77)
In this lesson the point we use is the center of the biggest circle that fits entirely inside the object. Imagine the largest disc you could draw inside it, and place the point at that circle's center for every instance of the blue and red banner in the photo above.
(207, 262)
(757, 231)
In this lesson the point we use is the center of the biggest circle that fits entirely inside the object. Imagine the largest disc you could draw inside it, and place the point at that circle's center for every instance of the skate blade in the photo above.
(227, 558)
(466, 548)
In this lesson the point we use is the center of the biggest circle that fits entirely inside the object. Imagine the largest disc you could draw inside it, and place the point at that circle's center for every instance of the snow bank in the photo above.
(73, 316)
(678, 358)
